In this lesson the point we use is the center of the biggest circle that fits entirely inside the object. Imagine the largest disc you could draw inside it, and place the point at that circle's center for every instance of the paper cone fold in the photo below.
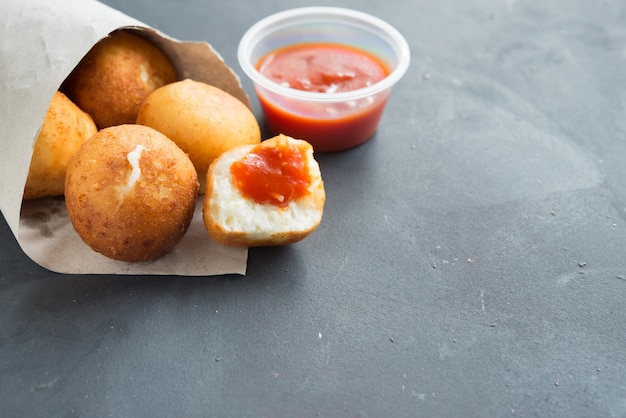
(40, 44)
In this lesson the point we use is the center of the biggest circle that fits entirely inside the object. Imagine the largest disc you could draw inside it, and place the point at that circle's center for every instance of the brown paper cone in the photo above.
(40, 44)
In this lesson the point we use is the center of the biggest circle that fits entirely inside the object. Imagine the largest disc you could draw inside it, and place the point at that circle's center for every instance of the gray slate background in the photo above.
(471, 260)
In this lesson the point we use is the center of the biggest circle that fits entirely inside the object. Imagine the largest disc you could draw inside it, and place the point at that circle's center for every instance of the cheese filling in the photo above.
(133, 158)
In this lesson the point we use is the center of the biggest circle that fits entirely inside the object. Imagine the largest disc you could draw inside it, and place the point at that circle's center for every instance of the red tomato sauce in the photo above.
(325, 68)
(274, 175)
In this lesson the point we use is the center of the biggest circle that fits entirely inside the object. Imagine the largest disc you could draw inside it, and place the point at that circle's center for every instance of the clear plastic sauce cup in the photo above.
(329, 121)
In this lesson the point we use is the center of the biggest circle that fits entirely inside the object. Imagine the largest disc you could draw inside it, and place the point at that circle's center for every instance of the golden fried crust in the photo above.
(122, 219)
(116, 76)
(252, 224)
(64, 130)
(244, 240)
(201, 119)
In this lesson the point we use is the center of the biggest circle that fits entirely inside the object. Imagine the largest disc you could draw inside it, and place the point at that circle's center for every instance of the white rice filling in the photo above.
(237, 214)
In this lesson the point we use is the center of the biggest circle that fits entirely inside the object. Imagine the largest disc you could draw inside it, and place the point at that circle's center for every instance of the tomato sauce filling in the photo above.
(272, 175)
(322, 67)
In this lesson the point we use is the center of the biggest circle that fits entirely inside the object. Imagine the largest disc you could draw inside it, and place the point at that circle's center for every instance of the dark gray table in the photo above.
(471, 260)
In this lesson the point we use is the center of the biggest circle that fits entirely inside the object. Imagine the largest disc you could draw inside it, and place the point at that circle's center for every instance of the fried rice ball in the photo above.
(64, 130)
(268, 194)
(130, 193)
(116, 76)
(201, 119)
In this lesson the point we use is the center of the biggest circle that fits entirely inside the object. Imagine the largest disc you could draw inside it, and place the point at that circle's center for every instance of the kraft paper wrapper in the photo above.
(40, 44)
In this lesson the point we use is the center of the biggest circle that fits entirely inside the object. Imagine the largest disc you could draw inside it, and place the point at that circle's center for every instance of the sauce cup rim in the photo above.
(253, 34)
